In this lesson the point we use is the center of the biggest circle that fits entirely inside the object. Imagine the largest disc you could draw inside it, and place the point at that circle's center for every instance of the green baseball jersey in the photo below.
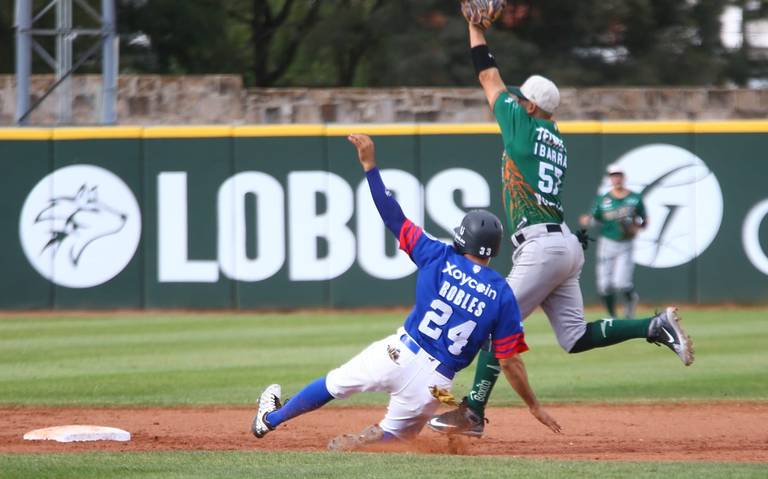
(615, 213)
(533, 165)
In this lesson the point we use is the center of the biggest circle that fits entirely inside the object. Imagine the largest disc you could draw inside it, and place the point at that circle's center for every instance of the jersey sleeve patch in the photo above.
(509, 346)
(409, 235)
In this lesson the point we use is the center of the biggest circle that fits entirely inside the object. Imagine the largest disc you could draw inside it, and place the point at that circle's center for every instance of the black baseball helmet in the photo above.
(479, 234)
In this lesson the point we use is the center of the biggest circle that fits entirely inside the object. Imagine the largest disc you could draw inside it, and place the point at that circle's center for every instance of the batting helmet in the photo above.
(479, 234)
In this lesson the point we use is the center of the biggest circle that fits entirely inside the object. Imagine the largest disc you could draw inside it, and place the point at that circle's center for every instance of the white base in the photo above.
(77, 433)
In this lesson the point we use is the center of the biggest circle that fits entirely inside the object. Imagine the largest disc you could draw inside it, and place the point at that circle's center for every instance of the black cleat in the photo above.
(665, 329)
(461, 420)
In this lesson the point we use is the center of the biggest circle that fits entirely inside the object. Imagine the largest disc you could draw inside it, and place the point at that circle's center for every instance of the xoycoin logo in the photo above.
(683, 201)
(80, 226)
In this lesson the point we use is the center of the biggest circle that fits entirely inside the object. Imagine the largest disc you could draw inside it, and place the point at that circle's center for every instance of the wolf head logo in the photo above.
(77, 221)
(77, 234)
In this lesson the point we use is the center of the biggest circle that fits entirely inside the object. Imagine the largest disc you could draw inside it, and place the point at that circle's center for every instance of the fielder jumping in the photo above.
(547, 258)
(460, 302)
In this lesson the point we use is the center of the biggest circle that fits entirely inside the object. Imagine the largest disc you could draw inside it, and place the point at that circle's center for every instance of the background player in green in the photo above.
(547, 258)
(621, 215)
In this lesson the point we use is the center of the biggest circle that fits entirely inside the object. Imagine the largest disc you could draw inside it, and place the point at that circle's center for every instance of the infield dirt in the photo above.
(722, 431)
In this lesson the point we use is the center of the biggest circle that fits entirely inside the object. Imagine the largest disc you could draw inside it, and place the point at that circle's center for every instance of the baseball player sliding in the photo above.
(621, 215)
(547, 258)
(460, 302)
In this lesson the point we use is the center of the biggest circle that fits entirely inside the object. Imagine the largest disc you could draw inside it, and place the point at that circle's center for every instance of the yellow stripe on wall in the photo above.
(210, 131)
(107, 132)
(639, 127)
(375, 129)
(278, 130)
(580, 127)
(25, 133)
(458, 129)
(744, 126)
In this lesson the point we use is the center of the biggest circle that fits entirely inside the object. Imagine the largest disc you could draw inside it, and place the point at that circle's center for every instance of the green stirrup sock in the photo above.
(606, 332)
(486, 374)
(610, 304)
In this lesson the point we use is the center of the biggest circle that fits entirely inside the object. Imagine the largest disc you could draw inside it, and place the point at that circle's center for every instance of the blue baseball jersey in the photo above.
(459, 303)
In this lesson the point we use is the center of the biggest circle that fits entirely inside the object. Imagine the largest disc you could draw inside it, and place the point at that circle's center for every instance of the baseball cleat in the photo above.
(665, 329)
(461, 420)
(350, 442)
(268, 402)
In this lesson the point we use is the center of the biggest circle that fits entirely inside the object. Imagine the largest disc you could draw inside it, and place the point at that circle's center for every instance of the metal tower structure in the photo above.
(63, 62)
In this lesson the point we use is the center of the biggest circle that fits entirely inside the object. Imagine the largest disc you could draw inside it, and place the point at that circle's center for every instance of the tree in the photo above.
(405, 43)
(7, 38)
(188, 38)
(747, 63)
(268, 23)
(258, 38)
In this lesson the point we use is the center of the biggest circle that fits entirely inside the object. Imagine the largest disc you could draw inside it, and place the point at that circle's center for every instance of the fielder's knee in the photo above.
(605, 290)
(570, 342)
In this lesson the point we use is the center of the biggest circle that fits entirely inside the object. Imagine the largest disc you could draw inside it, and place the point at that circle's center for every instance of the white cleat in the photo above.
(268, 402)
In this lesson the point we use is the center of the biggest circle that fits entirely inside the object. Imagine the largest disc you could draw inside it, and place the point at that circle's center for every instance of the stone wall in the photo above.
(155, 99)
(142, 99)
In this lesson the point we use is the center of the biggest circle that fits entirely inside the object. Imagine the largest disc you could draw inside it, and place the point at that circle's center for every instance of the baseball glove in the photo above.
(631, 226)
(443, 395)
(583, 236)
(482, 13)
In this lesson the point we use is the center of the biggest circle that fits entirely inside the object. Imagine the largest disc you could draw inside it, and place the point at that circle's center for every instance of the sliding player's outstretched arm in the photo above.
(420, 247)
(388, 208)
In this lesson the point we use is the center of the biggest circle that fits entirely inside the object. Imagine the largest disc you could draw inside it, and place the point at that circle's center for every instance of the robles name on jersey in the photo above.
(466, 301)
(459, 303)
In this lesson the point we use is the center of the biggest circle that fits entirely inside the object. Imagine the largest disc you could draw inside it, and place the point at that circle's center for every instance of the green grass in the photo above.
(329, 465)
(170, 359)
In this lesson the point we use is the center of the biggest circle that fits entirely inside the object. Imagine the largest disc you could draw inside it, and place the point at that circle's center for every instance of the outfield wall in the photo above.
(279, 216)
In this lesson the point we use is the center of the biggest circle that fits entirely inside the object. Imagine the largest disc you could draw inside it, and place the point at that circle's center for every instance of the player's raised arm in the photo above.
(485, 65)
(388, 208)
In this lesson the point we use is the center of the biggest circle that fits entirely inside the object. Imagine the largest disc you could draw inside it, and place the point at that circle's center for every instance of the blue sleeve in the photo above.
(388, 208)
(420, 247)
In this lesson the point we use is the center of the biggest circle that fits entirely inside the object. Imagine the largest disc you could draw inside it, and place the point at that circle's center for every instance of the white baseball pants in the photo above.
(615, 266)
(389, 366)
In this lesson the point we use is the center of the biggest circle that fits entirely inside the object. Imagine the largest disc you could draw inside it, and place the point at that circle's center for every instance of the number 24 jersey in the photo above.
(459, 303)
